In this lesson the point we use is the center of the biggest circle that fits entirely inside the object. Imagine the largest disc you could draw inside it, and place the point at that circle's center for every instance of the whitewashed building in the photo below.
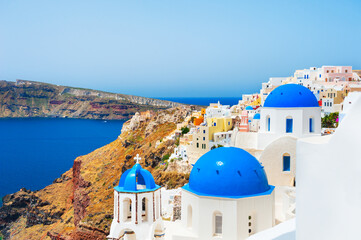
(217, 110)
(137, 207)
(227, 197)
(291, 111)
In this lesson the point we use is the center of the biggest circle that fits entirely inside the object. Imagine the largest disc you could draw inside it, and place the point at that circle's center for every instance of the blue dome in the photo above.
(136, 179)
(257, 116)
(291, 96)
(228, 172)
(249, 108)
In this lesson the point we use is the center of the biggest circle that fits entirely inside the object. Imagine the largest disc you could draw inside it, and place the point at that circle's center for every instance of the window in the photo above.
(144, 209)
(311, 125)
(214, 124)
(289, 125)
(268, 123)
(217, 224)
(345, 70)
(286, 162)
(197, 145)
(204, 131)
(204, 138)
(127, 210)
(229, 123)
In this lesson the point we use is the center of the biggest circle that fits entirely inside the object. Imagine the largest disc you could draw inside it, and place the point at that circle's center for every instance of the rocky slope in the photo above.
(79, 204)
(34, 99)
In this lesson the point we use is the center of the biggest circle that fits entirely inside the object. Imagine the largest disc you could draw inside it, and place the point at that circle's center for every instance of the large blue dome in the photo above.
(228, 172)
(291, 96)
(136, 179)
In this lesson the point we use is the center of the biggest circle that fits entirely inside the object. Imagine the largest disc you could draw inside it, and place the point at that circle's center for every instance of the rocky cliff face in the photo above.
(34, 99)
(79, 204)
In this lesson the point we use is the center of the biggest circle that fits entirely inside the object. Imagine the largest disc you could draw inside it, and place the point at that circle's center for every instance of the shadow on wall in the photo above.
(287, 236)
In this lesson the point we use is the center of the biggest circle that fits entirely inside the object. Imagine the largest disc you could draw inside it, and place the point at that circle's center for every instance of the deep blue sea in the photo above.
(205, 101)
(35, 151)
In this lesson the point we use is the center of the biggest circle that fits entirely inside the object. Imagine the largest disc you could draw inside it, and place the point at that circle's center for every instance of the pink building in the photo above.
(243, 125)
(336, 73)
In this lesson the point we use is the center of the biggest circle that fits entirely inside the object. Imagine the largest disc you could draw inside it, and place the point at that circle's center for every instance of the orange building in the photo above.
(198, 121)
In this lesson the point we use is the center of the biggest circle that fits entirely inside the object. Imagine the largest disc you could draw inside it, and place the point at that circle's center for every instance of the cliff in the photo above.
(35, 99)
(79, 204)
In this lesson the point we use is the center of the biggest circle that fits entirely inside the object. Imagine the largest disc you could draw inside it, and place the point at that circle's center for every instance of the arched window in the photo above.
(127, 210)
(189, 217)
(268, 124)
(311, 125)
(144, 209)
(286, 162)
(289, 125)
(218, 223)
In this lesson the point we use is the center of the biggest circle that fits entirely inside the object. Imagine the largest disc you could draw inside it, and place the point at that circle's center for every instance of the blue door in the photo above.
(311, 125)
(286, 163)
(289, 125)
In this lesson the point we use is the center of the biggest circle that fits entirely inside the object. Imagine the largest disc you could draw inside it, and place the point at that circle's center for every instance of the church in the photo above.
(227, 197)
(137, 206)
(290, 112)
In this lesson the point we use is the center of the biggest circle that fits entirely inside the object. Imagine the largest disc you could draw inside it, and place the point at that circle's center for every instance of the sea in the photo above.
(36, 151)
(204, 101)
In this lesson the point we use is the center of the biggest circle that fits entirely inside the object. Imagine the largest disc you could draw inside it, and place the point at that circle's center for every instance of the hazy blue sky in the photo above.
(174, 48)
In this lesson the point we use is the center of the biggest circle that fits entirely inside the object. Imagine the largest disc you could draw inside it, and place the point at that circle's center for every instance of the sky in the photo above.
(188, 48)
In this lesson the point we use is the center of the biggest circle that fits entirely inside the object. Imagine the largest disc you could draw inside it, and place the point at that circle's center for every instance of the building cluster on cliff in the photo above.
(245, 159)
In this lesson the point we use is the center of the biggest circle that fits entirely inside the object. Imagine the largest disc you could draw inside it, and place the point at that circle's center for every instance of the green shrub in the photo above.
(185, 130)
(165, 157)
(330, 120)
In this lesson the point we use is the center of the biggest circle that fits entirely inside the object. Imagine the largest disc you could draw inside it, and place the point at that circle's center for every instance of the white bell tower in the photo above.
(137, 206)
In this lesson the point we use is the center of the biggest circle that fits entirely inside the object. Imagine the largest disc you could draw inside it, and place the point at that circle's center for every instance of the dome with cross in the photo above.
(136, 179)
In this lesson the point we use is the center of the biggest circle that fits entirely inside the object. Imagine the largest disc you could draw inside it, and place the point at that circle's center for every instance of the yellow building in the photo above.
(216, 125)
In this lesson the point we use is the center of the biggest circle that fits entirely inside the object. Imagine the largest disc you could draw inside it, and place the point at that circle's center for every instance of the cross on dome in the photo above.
(137, 158)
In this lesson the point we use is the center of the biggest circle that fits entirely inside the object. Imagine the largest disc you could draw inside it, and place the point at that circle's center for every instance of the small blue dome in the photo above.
(249, 108)
(136, 179)
(291, 96)
(257, 116)
(228, 172)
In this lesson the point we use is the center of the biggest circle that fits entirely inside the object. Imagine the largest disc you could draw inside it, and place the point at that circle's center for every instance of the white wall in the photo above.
(329, 182)
(235, 214)
(278, 123)
(272, 160)
(143, 230)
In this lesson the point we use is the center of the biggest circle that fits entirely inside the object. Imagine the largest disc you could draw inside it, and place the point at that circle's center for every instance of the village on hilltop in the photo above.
(247, 162)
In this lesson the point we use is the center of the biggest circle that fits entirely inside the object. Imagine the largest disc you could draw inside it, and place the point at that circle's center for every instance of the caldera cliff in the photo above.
(79, 204)
(35, 99)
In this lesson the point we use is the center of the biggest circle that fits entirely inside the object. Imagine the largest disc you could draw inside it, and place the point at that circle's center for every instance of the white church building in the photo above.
(328, 186)
(290, 112)
(228, 197)
(137, 207)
